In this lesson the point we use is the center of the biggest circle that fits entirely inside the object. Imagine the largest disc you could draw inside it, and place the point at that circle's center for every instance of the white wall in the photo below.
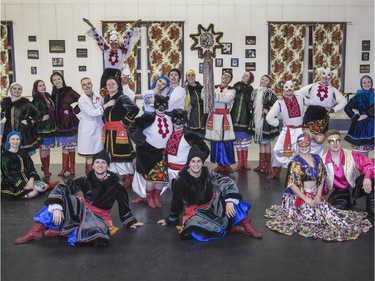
(62, 19)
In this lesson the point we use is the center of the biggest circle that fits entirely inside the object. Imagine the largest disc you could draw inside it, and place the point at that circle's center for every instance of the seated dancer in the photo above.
(150, 133)
(84, 219)
(349, 173)
(19, 177)
(303, 209)
(214, 204)
(115, 52)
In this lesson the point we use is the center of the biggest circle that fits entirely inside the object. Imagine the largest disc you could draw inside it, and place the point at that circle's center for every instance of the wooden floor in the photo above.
(156, 253)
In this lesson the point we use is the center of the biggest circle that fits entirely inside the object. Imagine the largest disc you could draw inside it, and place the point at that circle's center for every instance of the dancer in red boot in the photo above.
(241, 118)
(207, 216)
(100, 188)
(262, 99)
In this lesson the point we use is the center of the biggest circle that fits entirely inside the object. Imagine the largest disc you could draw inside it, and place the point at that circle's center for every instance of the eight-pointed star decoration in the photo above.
(206, 41)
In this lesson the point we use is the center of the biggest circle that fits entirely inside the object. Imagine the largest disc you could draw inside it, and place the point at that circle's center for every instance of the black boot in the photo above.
(370, 204)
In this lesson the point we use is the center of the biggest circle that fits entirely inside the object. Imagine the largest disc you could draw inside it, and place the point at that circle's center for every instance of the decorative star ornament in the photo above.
(206, 41)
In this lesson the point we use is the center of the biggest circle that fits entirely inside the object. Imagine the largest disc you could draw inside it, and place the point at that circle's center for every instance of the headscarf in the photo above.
(161, 77)
(370, 91)
(12, 133)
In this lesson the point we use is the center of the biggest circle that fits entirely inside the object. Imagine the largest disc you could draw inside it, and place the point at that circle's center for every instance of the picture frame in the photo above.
(82, 68)
(57, 46)
(365, 56)
(201, 68)
(32, 38)
(219, 62)
(58, 71)
(33, 70)
(364, 68)
(366, 45)
(81, 53)
(250, 66)
(33, 54)
(57, 62)
(81, 38)
(230, 70)
(250, 40)
(250, 53)
(227, 49)
(234, 62)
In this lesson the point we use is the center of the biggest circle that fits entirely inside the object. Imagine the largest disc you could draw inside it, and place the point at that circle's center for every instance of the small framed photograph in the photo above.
(57, 62)
(201, 67)
(33, 70)
(250, 53)
(33, 54)
(224, 70)
(250, 40)
(81, 53)
(219, 62)
(57, 46)
(250, 66)
(234, 62)
(364, 68)
(227, 49)
(366, 45)
(365, 56)
(59, 71)
(32, 38)
(81, 38)
(82, 68)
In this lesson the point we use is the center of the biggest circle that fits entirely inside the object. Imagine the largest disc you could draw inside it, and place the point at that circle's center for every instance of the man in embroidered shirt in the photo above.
(349, 173)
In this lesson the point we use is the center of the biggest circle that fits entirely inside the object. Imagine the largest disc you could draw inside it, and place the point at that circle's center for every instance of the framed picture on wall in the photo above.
(82, 68)
(81, 53)
(227, 49)
(234, 62)
(33, 54)
(32, 38)
(364, 68)
(81, 38)
(33, 70)
(366, 45)
(219, 62)
(250, 40)
(250, 53)
(201, 67)
(57, 62)
(57, 46)
(365, 56)
(250, 66)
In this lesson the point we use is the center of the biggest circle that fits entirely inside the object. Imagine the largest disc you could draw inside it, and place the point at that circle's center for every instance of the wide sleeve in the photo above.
(293, 177)
(225, 185)
(64, 189)
(130, 40)
(29, 166)
(102, 44)
(132, 110)
(350, 106)
(194, 139)
(74, 99)
(226, 96)
(122, 198)
(177, 99)
(86, 107)
(10, 172)
(340, 101)
(269, 100)
(364, 165)
(271, 117)
(177, 204)
(136, 128)
(305, 93)
(34, 113)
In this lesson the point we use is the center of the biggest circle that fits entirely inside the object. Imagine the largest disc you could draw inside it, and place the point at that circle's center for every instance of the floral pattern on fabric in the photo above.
(159, 173)
(4, 58)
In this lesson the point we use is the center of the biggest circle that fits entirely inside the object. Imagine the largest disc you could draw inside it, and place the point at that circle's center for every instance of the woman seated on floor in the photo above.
(19, 177)
(303, 209)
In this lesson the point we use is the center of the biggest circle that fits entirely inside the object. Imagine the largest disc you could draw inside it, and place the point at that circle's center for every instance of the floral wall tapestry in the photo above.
(287, 43)
(5, 60)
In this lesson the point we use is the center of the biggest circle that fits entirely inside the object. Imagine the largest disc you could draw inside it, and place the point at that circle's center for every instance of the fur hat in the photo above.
(101, 155)
(195, 151)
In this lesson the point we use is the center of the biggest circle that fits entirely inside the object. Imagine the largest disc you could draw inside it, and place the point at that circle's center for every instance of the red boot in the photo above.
(72, 163)
(52, 232)
(139, 200)
(228, 169)
(218, 169)
(268, 163)
(36, 232)
(65, 164)
(45, 165)
(240, 161)
(275, 173)
(157, 198)
(245, 165)
(249, 228)
(128, 180)
(261, 160)
(150, 198)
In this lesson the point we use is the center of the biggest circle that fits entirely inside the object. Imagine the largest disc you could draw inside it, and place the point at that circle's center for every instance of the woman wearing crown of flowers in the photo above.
(114, 52)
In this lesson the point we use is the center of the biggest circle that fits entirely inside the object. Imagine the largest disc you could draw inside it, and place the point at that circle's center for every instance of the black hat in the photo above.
(195, 151)
(101, 155)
